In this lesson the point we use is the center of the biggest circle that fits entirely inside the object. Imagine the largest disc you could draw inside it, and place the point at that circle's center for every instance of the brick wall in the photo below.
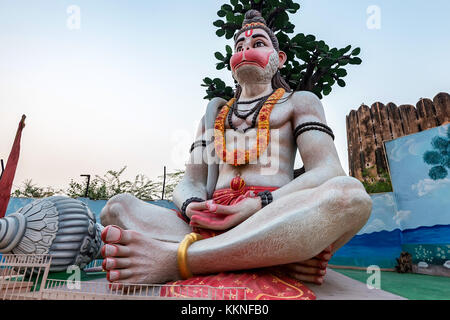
(368, 127)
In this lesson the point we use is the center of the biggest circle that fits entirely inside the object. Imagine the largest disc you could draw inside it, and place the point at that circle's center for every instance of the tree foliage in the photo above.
(439, 158)
(111, 184)
(30, 190)
(384, 184)
(311, 64)
(106, 186)
(172, 179)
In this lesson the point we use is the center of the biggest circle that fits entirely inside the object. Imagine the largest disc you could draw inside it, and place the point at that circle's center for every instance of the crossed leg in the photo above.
(126, 252)
(125, 258)
(130, 213)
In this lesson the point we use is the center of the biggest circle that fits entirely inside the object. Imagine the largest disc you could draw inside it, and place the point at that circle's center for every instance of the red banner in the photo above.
(8, 175)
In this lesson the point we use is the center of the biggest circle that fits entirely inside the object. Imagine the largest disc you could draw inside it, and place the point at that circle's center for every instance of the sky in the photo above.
(120, 86)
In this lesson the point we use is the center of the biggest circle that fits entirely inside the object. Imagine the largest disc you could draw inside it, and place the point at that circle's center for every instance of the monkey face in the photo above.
(255, 60)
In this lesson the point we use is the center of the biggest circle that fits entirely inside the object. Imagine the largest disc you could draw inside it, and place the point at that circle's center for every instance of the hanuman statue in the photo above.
(242, 217)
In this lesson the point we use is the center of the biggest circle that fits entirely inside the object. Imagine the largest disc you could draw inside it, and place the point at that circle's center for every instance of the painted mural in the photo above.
(378, 242)
(419, 166)
(415, 217)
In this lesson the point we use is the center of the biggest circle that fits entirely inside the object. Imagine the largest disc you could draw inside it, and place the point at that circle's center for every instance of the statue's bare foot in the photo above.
(312, 270)
(132, 258)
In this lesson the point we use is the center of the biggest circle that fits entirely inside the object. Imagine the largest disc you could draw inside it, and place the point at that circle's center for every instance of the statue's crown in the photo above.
(252, 20)
(253, 25)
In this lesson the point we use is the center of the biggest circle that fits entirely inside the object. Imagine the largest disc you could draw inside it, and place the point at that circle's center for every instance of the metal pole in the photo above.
(87, 185)
(164, 183)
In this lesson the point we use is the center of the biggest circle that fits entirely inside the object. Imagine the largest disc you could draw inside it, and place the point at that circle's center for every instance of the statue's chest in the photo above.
(242, 133)
(244, 120)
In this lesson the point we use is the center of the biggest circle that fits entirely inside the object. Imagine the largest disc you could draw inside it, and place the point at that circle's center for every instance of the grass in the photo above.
(409, 285)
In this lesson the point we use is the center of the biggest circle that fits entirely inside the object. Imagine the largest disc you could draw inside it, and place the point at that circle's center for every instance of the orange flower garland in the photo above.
(238, 156)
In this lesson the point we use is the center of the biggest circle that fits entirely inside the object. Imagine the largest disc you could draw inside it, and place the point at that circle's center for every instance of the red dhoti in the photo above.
(255, 285)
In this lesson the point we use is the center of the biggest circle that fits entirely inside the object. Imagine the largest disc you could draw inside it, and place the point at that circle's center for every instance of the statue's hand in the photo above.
(214, 216)
(194, 207)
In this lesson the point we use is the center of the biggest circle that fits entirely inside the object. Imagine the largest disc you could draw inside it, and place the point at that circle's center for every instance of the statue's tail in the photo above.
(7, 176)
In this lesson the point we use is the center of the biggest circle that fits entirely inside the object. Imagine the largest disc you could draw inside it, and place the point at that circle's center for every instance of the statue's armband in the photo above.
(198, 143)
(307, 126)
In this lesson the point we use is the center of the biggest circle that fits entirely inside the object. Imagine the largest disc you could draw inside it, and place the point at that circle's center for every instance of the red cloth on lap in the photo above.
(256, 284)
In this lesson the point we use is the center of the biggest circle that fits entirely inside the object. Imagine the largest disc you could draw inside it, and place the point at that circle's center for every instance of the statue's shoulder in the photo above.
(215, 103)
(212, 109)
(306, 103)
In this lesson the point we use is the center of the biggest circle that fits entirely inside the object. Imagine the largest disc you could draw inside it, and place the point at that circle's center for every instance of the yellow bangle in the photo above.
(182, 253)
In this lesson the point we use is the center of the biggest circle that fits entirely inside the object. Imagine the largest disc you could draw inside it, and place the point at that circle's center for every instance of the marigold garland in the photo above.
(239, 157)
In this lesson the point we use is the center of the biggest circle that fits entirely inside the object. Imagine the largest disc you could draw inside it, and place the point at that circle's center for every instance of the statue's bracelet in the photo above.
(186, 203)
(266, 198)
(182, 254)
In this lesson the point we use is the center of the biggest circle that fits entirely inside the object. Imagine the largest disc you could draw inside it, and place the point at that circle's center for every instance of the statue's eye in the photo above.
(258, 44)
(239, 49)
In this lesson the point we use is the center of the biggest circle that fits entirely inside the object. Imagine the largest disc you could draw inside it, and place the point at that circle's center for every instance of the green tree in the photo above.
(439, 158)
(311, 64)
(172, 179)
(106, 186)
(30, 190)
(383, 185)
(111, 184)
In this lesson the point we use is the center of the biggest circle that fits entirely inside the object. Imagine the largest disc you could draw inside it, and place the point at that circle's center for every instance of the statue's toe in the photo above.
(118, 275)
(115, 250)
(113, 275)
(115, 263)
(112, 234)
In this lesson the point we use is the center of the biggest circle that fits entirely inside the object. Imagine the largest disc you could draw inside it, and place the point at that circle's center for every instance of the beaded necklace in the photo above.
(257, 108)
(239, 157)
(246, 112)
(254, 100)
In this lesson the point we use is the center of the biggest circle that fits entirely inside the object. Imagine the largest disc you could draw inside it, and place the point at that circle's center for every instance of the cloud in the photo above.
(415, 148)
(401, 216)
(426, 186)
(399, 150)
(442, 130)
(375, 225)
(403, 148)
(383, 211)
(383, 200)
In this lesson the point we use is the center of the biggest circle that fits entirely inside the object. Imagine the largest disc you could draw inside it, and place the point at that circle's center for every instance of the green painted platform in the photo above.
(408, 285)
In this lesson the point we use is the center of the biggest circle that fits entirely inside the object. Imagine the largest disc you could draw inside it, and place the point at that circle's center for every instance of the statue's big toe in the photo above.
(112, 234)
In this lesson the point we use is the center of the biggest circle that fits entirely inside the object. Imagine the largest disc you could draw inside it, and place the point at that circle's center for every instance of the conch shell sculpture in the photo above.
(60, 226)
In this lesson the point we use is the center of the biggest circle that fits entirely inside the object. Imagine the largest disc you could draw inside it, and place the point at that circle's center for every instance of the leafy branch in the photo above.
(311, 64)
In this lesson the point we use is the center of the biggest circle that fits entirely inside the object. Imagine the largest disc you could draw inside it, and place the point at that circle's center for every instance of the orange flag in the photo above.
(8, 175)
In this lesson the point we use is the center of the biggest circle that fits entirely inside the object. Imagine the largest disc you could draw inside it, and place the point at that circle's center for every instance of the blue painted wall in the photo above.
(415, 217)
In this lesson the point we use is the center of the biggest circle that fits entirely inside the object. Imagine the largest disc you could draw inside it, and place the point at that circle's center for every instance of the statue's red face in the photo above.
(255, 58)
(253, 47)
